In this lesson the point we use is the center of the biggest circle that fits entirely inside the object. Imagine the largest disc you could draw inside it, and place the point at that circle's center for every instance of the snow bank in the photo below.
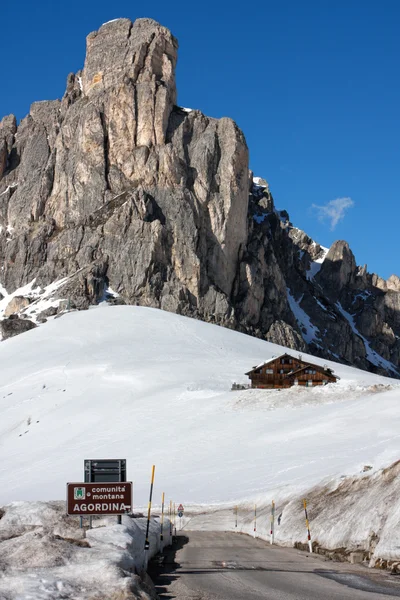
(45, 555)
(359, 513)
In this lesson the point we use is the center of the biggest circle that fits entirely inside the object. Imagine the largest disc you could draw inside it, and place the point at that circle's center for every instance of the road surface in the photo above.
(207, 565)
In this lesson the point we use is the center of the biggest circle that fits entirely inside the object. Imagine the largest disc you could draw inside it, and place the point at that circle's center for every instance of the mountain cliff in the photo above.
(115, 190)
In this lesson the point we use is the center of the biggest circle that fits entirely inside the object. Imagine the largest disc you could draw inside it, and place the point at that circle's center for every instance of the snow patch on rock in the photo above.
(309, 331)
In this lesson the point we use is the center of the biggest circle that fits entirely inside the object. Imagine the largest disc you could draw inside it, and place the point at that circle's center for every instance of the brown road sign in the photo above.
(99, 498)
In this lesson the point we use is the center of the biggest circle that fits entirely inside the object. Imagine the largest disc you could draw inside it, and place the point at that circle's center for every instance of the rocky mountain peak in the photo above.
(115, 187)
(393, 283)
(339, 268)
(120, 185)
(139, 59)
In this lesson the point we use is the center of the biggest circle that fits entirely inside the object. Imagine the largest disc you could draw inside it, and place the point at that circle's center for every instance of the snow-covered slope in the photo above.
(154, 387)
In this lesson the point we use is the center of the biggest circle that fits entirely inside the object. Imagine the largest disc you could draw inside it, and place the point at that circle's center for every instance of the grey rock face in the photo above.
(16, 305)
(393, 283)
(338, 270)
(115, 185)
(14, 326)
(285, 335)
(8, 128)
(48, 312)
(118, 185)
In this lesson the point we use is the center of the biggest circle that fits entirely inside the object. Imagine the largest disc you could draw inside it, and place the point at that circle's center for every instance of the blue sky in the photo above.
(314, 85)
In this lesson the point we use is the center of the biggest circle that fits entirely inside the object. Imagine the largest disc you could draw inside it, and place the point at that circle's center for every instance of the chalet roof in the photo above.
(270, 360)
(328, 372)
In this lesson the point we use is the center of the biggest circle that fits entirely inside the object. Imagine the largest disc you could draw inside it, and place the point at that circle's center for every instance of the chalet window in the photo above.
(309, 383)
(281, 371)
(290, 361)
(269, 371)
(282, 361)
(324, 381)
(296, 382)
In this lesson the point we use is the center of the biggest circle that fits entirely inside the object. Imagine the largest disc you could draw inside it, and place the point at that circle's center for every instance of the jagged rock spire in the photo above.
(140, 58)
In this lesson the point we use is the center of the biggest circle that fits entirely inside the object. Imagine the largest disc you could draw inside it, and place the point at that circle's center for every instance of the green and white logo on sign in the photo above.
(79, 493)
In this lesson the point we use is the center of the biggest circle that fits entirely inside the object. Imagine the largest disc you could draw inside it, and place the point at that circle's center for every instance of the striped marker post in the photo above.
(162, 517)
(272, 522)
(307, 525)
(170, 518)
(255, 519)
(236, 517)
(147, 542)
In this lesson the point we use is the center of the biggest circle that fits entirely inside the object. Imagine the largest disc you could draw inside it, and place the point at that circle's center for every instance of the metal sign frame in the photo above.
(108, 467)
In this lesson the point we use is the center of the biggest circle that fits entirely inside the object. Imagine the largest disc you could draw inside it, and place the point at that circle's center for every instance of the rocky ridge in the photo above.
(116, 187)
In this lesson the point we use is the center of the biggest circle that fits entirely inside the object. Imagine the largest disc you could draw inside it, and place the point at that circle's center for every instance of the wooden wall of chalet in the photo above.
(313, 375)
(275, 374)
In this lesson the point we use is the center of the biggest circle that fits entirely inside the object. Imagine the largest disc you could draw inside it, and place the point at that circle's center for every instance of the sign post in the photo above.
(180, 515)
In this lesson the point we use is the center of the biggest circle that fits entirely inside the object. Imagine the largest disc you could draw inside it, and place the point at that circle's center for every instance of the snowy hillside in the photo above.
(154, 387)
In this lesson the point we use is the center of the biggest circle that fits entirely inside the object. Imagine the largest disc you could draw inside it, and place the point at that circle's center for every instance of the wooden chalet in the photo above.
(286, 371)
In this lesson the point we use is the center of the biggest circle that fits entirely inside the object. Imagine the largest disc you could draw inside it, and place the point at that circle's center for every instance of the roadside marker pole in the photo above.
(307, 525)
(147, 543)
(170, 518)
(272, 522)
(236, 516)
(255, 519)
(162, 517)
(174, 519)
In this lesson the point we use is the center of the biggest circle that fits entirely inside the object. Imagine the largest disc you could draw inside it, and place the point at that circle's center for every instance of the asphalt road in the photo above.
(207, 565)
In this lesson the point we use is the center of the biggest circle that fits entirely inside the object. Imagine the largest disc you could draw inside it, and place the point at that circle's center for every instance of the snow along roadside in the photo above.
(353, 514)
(45, 555)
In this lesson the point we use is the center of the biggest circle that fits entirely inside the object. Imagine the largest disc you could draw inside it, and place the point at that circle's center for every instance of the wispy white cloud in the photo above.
(334, 211)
